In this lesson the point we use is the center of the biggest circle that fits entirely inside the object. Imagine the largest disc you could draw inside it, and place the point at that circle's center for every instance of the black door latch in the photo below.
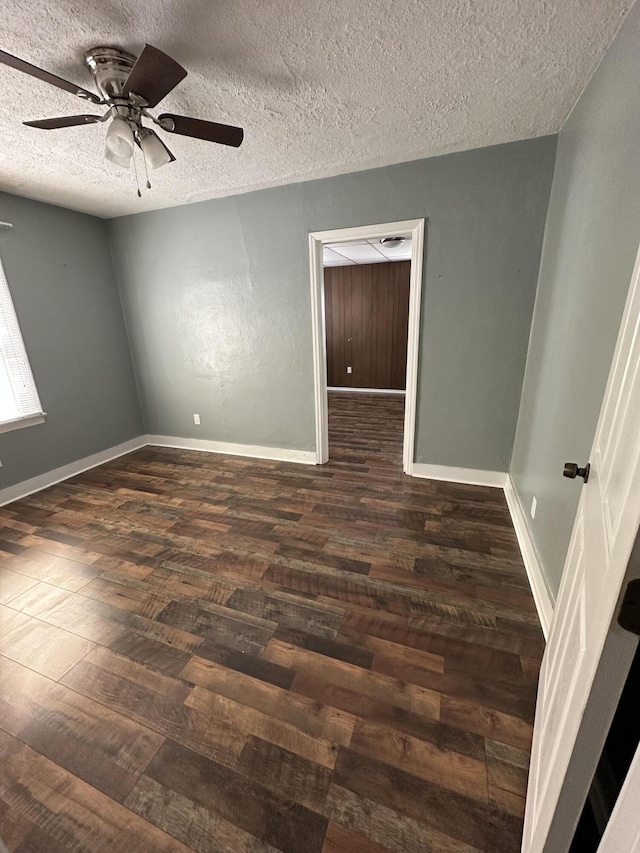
(571, 470)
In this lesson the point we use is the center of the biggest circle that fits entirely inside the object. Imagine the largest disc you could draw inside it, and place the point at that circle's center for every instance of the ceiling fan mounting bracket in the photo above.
(110, 68)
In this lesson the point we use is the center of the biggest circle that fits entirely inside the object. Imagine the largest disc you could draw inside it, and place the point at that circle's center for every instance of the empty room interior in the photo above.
(319, 427)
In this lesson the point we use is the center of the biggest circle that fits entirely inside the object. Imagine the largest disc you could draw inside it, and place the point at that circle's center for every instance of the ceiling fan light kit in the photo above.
(156, 154)
(119, 142)
(130, 86)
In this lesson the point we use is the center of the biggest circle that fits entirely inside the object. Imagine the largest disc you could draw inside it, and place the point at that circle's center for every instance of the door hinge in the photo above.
(629, 615)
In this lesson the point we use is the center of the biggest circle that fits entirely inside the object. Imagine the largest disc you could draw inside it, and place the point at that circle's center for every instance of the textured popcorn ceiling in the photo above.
(321, 88)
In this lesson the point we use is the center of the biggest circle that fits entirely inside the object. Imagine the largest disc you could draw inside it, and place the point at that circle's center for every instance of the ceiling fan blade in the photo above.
(224, 134)
(34, 71)
(154, 75)
(63, 121)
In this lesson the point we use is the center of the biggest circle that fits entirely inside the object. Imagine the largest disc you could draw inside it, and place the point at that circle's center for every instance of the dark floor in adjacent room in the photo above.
(214, 653)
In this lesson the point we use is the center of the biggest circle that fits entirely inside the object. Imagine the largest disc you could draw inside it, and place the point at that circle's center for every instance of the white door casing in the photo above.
(415, 227)
(588, 655)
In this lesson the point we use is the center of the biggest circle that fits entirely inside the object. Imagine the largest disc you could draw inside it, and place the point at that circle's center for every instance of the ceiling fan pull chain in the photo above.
(135, 169)
(146, 171)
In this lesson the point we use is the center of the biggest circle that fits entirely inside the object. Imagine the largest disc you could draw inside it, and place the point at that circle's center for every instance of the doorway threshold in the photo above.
(344, 389)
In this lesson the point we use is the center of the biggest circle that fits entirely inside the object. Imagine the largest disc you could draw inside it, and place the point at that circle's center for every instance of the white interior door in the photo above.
(587, 654)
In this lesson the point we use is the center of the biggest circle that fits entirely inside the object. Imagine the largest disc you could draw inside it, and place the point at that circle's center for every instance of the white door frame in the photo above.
(316, 241)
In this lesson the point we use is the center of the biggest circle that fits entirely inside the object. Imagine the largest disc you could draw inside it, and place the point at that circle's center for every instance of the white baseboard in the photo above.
(254, 451)
(344, 390)
(43, 481)
(469, 476)
(532, 564)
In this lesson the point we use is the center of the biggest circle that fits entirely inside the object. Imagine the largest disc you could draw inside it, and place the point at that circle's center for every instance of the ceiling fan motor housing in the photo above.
(110, 68)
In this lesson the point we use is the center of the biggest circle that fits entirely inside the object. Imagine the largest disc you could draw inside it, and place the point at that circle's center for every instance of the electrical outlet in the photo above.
(196, 420)
(349, 370)
(534, 504)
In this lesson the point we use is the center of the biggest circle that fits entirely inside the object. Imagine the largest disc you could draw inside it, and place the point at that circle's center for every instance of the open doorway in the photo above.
(366, 326)
(366, 309)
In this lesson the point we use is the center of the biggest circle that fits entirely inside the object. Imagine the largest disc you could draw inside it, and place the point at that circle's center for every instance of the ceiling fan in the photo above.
(130, 86)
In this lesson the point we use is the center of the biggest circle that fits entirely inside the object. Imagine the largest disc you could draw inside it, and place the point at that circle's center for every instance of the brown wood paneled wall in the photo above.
(367, 315)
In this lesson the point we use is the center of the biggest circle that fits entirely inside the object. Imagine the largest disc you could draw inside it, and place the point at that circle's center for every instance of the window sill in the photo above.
(21, 423)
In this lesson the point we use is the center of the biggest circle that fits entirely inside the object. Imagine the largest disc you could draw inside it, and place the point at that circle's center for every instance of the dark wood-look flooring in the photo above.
(213, 653)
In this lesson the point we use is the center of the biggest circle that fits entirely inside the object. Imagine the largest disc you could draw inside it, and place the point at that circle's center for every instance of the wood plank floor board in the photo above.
(467, 819)
(308, 714)
(37, 841)
(507, 801)
(410, 697)
(448, 768)
(250, 664)
(196, 825)
(13, 584)
(288, 774)
(474, 717)
(217, 624)
(62, 725)
(248, 722)
(158, 707)
(391, 717)
(163, 656)
(133, 595)
(68, 574)
(15, 827)
(340, 839)
(97, 621)
(387, 827)
(331, 648)
(75, 814)
(39, 646)
(288, 611)
(285, 825)
(507, 767)
(210, 653)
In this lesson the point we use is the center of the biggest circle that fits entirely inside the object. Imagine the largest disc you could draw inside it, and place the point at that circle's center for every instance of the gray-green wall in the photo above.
(217, 304)
(590, 244)
(60, 273)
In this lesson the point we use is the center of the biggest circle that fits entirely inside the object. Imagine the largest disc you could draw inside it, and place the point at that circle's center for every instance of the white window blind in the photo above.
(18, 393)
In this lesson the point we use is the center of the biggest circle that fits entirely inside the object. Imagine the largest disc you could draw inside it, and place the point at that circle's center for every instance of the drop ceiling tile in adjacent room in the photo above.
(363, 253)
(333, 259)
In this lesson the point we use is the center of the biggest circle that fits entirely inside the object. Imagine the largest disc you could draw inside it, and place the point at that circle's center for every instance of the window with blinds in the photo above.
(18, 394)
